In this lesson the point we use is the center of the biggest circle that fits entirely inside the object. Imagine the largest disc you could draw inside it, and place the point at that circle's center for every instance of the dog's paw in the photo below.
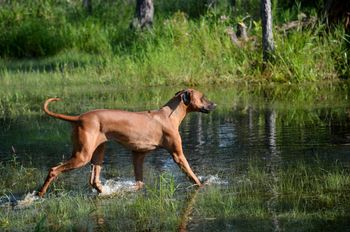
(138, 185)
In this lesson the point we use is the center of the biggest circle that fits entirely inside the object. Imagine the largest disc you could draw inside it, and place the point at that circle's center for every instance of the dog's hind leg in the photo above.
(77, 161)
(84, 146)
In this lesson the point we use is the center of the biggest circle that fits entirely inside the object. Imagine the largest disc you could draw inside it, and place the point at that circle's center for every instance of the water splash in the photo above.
(12, 202)
(213, 179)
(27, 201)
(110, 187)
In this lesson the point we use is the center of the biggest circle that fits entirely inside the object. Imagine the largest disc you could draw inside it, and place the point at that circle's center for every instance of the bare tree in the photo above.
(267, 36)
(144, 14)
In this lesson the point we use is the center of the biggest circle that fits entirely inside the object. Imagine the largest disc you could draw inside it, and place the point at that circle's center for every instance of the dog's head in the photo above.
(196, 101)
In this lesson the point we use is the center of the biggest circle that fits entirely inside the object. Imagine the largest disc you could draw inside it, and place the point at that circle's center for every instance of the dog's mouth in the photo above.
(208, 109)
(204, 110)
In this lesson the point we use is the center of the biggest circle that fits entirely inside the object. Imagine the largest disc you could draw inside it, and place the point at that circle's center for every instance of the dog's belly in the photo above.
(139, 147)
(135, 142)
(136, 131)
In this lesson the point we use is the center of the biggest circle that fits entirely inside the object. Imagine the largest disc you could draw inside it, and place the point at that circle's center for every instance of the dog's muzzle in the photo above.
(207, 109)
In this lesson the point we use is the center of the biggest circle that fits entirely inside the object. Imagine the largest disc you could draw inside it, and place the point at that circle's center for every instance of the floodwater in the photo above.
(218, 144)
(213, 144)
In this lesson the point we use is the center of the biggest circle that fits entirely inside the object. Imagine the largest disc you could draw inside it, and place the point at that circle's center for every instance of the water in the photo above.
(212, 143)
(218, 146)
(110, 187)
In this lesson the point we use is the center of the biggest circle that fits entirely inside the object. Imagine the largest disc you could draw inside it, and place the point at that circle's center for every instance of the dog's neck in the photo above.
(175, 109)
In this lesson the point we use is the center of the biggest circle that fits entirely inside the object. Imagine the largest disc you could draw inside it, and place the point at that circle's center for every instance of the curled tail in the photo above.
(56, 115)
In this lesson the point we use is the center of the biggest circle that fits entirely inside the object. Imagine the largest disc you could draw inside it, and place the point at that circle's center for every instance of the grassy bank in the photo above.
(188, 45)
(260, 197)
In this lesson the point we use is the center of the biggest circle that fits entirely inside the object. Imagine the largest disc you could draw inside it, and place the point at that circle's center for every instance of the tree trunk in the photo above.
(144, 14)
(338, 11)
(267, 36)
(87, 4)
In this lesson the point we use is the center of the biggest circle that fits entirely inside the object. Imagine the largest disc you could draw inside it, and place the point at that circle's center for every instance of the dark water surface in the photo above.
(283, 131)
(214, 143)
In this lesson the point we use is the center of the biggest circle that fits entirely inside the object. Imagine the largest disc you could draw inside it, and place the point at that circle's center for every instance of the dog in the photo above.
(140, 132)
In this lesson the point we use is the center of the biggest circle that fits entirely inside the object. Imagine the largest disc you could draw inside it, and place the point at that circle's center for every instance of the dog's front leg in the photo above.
(137, 160)
(181, 161)
(95, 177)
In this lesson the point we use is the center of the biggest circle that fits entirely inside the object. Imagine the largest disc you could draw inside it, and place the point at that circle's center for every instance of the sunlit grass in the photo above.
(180, 49)
(304, 195)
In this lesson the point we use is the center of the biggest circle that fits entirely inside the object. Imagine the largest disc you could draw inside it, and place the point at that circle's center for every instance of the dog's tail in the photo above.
(56, 115)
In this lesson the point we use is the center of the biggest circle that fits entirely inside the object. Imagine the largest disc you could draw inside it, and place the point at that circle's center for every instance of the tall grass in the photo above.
(188, 44)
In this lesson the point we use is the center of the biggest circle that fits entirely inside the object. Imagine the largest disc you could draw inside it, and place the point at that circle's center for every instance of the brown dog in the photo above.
(140, 132)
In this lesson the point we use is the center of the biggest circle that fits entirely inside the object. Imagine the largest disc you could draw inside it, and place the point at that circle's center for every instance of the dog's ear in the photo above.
(179, 92)
(186, 97)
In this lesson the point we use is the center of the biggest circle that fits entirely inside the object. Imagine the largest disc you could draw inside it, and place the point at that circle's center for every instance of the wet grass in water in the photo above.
(157, 207)
(306, 196)
(15, 178)
(297, 104)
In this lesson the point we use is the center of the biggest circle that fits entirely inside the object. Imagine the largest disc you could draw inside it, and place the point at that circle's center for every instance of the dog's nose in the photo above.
(213, 105)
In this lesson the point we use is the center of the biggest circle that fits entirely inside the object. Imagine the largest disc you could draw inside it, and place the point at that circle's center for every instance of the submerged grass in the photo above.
(295, 103)
(305, 196)
(155, 208)
(310, 196)
(17, 178)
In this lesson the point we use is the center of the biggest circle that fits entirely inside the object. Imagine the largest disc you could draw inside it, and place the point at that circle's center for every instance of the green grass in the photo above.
(188, 45)
(303, 196)
(310, 196)
(51, 48)
(17, 178)
(21, 97)
(155, 208)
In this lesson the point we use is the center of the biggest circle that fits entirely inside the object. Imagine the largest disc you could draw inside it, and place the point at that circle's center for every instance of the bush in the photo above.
(92, 38)
(31, 31)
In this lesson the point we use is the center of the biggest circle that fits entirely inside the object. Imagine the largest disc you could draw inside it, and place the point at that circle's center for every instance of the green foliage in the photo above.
(33, 29)
(43, 28)
(189, 43)
(93, 39)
